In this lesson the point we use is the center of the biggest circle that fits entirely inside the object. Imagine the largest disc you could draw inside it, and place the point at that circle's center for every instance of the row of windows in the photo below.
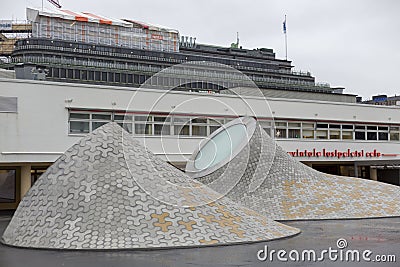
(246, 66)
(85, 122)
(333, 131)
(178, 57)
(214, 73)
(134, 79)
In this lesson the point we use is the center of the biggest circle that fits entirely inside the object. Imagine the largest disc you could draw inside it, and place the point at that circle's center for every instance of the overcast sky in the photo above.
(349, 43)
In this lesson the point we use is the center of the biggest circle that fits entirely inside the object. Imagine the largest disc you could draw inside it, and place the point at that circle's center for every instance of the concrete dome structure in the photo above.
(260, 175)
(108, 192)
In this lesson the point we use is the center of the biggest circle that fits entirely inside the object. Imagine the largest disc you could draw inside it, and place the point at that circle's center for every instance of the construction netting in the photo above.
(90, 28)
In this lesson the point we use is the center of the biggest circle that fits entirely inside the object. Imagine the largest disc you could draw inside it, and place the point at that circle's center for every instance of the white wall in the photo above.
(39, 131)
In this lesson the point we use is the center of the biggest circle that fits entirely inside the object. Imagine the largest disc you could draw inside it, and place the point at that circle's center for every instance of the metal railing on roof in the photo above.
(187, 72)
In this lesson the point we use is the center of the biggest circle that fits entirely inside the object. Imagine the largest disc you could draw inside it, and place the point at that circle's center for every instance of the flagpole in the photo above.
(285, 38)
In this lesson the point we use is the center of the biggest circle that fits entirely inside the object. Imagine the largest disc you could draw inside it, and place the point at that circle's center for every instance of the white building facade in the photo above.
(40, 120)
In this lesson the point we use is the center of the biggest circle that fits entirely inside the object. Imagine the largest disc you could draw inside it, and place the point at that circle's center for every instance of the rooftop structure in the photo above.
(383, 100)
(82, 47)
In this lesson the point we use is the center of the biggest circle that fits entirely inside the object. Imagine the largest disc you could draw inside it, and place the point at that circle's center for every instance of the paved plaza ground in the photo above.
(381, 236)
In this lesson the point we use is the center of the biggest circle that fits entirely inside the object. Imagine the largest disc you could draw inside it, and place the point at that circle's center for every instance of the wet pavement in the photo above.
(381, 236)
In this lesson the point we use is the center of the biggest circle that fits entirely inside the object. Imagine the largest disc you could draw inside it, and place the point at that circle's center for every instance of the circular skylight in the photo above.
(220, 147)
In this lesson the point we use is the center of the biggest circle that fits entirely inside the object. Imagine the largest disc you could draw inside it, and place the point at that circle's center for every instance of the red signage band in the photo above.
(335, 154)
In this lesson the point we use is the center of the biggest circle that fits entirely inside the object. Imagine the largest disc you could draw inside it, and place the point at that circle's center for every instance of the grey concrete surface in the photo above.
(264, 178)
(381, 236)
(109, 192)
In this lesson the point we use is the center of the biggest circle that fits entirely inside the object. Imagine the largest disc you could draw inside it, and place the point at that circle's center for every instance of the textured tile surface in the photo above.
(280, 187)
(96, 196)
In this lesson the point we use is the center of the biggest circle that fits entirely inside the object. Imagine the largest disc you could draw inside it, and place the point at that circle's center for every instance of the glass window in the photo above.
(79, 126)
(216, 121)
(393, 128)
(308, 134)
(126, 126)
(162, 129)
(199, 130)
(334, 134)
(181, 130)
(322, 134)
(369, 127)
(347, 126)
(101, 117)
(280, 124)
(162, 119)
(79, 116)
(360, 127)
(308, 125)
(394, 136)
(359, 135)
(294, 133)
(199, 120)
(213, 129)
(143, 118)
(347, 135)
(143, 128)
(123, 117)
(383, 128)
(280, 133)
(334, 126)
(371, 135)
(295, 124)
(181, 120)
(8, 186)
(383, 136)
(322, 125)
(98, 124)
(222, 146)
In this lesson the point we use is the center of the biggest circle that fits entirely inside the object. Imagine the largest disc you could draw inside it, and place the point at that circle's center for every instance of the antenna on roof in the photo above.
(233, 45)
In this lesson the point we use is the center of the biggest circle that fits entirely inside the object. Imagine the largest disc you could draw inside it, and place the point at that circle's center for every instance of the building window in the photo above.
(125, 121)
(394, 133)
(347, 135)
(82, 122)
(8, 186)
(199, 126)
(280, 129)
(100, 119)
(266, 125)
(79, 123)
(141, 128)
(371, 136)
(294, 133)
(143, 125)
(334, 131)
(181, 130)
(162, 125)
(36, 172)
(308, 130)
(359, 135)
(214, 124)
(383, 136)
(294, 129)
(181, 126)
(321, 134)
